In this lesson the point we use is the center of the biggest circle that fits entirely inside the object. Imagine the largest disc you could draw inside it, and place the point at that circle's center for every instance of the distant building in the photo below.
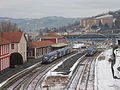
(88, 22)
(33, 34)
(53, 37)
(62, 33)
(4, 54)
(95, 21)
(38, 48)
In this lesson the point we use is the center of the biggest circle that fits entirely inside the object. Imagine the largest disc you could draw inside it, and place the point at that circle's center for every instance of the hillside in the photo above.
(31, 24)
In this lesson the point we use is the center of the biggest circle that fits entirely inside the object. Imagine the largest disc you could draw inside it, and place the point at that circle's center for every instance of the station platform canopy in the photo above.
(59, 45)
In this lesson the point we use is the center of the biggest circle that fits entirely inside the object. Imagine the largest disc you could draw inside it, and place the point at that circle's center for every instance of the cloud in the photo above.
(67, 8)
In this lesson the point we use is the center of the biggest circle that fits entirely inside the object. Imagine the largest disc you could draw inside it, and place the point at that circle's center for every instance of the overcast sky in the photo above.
(65, 8)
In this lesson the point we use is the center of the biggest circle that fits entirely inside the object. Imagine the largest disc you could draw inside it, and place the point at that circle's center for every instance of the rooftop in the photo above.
(51, 35)
(105, 16)
(40, 43)
(3, 41)
(13, 37)
(59, 45)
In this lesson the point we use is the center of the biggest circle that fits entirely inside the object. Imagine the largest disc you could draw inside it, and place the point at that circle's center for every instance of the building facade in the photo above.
(38, 48)
(4, 54)
(18, 43)
(53, 37)
(95, 21)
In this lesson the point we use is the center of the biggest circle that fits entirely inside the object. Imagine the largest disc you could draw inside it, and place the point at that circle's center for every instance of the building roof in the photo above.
(13, 37)
(51, 35)
(64, 41)
(3, 41)
(105, 16)
(59, 45)
(40, 43)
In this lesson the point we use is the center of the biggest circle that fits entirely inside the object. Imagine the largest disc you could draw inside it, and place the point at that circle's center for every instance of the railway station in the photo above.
(53, 45)
(72, 66)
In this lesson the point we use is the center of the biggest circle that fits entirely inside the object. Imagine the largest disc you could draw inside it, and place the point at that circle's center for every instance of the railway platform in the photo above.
(103, 74)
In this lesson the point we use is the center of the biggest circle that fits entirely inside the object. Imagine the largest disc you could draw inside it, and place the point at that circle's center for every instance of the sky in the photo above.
(64, 8)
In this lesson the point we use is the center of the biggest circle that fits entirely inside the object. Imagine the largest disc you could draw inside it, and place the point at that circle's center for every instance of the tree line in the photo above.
(7, 26)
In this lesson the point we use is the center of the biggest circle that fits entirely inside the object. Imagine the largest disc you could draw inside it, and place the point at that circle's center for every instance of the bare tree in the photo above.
(7, 26)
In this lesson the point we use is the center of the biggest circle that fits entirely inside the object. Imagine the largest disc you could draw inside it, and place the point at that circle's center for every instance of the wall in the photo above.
(4, 57)
(22, 48)
(37, 52)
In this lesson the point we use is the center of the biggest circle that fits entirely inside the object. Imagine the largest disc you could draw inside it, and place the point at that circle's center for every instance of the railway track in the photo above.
(36, 82)
(83, 77)
(31, 81)
(26, 81)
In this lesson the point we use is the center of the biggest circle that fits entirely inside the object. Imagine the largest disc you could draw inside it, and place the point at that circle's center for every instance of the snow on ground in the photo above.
(57, 80)
(117, 62)
(1, 84)
(54, 80)
(103, 73)
(23, 71)
(52, 73)
(78, 45)
(74, 66)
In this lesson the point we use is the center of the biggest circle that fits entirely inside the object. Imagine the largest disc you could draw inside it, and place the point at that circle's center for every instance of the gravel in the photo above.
(65, 67)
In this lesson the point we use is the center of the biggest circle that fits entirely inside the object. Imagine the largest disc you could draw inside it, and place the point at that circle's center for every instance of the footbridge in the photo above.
(92, 36)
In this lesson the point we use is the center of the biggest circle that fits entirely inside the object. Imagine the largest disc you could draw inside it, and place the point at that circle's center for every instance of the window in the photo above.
(12, 46)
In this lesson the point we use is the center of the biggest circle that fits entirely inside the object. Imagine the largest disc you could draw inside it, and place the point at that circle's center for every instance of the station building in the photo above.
(53, 37)
(57, 39)
(37, 48)
(4, 54)
(17, 47)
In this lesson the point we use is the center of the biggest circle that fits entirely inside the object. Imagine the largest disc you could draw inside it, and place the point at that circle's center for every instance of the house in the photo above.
(37, 48)
(17, 48)
(4, 54)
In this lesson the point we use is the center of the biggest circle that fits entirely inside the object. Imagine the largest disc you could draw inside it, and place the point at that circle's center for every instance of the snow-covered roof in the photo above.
(104, 16)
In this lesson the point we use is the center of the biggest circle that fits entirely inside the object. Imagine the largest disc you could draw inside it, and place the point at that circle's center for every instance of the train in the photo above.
(91, 50)
(51, 56)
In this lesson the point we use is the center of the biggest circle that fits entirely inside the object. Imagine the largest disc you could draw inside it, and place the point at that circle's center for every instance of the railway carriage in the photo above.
(91, 50)
(68, 50)
(49, 57)
(60, 53)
